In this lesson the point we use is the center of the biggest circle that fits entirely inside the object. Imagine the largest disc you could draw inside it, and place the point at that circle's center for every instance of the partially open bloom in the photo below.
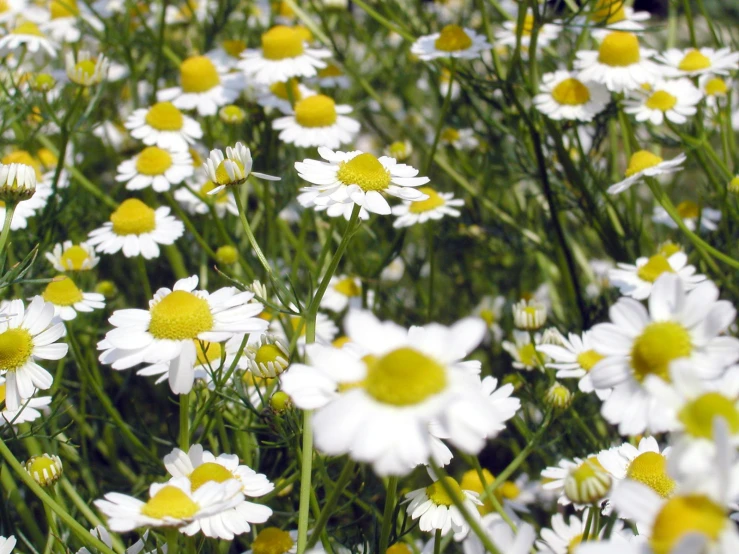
(164, 126)
(317, 121)
(86, 70)
(579, 481)
(233, 169)
(644, 163)
(435, 508)
(563, 96)
(68, 256)
(674, 100)
(637, 280)
(452, 42)
(17, 182)
(45, 469)
(529, 314)
(574, 358)
(268, 356)
(68, 299)
(523, 351)
(155, 167)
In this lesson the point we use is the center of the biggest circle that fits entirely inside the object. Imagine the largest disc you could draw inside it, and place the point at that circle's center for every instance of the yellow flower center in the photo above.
(40, 463)
(153, 161)
(716, 87)
(619, 49)
(404, 377)
(222, 176)
(655, 266)
(608, 12)
(133, 217)
(315, 111)
(269, 353)
(399, 548)
(438, 494)
(47, 157)
(453, 39)
(509, 490)
(28, 28)
(251, 380)
(234, 47)
(86, 69)
(209, 471)
(694, 61)
(220, 197)
(471, 482)
(698, 415)
(588, 470)
(688, 210)
(281, 91)
(641, 160)
(331, 70)
(571, 92)
(588, 359)
(366, 171)
(16, 346)
(282, 42)
(650, 468)
(74, 258)
(180, 315)
(23, 157)
(232, 114)
(686, 514)
(527, 355)
(272, 540)
(487, 316)
(574, 543)
(661, 100)
(528, 24)
(304, 33)
(2, 393)
(4, 7)
(164, 116)
(348, 287)
(433, 201)
(170, 502)
(668, 248)
(398, 150)
(198, 74)
(449, 134)
(63, 8)
(207, 352)
(62, 292)
(659, 343)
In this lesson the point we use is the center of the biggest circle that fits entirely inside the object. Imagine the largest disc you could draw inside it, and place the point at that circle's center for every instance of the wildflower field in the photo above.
(369, 276)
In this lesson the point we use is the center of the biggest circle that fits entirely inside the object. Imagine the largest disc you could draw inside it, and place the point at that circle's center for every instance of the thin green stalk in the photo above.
(432, 271)
(387, 514)
(437, 542)
(306, 467)
(85, 510)
(595, 530)
(442, 117)
(141, 266)
(346, 475)
(249, 234)
(184, 422)
(489, 496)
(589, 522)
(159, 49)
(9, 211)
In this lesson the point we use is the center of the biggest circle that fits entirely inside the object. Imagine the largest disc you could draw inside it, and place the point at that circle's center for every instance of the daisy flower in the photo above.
(715, 89)
(31, 409)
(614, 15)
(342, 292)
(231, 170)
(637, 280)
(196, 201)
(452, 42)
(564, 96)
(85, 70)
(66, 18)
(68, 300)
(574, 359)
(674, 100)
(502, 536)
(27, 35)
(529, 314)
(171, 504)
(646, 464)
(276, 95)
(166, 334)
(27, 209)
(620, 63)
(359, 177)
(523, 351)
(565, 538)
(68, 256)
(461, 139)
(507, 36)
(283, 55)
(646, 164)
(200, 467)
(136, 229)
(28, 334)
(17, 182)
(203, 87)
(379, 362)
(513, 495)
(435, 509)
(156, 168)
(10, 9)
(435, 207)
(490, 310)
(227, 55)
(640, 343)
(401, 150)
(332, 76)
(692, 62)
(579, 481)
(690, 213)
(164, 126)
(268, 356)
(317, 121)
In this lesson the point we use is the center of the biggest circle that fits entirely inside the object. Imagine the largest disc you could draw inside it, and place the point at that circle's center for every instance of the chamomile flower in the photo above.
(640, 343)
(523, 351)
(27, 334)
(31, 409)
(490, 310)
(359, 177)
(529, 314)
(620, 63)
(637, 280)
(646, 464)
(565, 537)
(460, 139)
(435, 508)
(155, 167)
(574, 359)
(11, 9)
(515, 496)
(614, 15)
(502, 536)
(197, 201)
(317, 121)
(564, 96)
(200, 467)
(332, 76)
(68, 256)
(27, 209)
(136, 229)
(452, 41)
(644, 163)
(437, 206)
(692, 215)
(715, 89)
(68, 299)
(694, 62)
(213, 360)
(166, 334)
(507, 36)
(276, 95)
(227, 55)
(674, 100)
(66, 18)
(268, 356)
(231, 170)
(86, 70)
(401, 150)
(171, 504)
(579, 481)
(27, 35)
(46, 469)
(283, 55)
(164, 126)
(342, 292)
(203, 87)
(17, 182)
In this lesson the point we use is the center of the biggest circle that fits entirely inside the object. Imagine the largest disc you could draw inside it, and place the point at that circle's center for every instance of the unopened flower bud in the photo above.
(45, 469)
(17, 182)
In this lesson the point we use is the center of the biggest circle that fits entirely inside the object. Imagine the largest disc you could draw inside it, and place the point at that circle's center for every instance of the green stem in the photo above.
(442, 117)
(159, 50)
(387, 514)
(341, 482)
(306, 467)
(85, 510)
(589, 522)
(437, 541)
(595, 530)
(432, 272)
(185, 422)
(141, 265)
(9, 211)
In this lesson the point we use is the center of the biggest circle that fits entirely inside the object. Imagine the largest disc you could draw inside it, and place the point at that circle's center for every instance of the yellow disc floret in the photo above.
(198, 74)
(688, 210)
(233, 47)
(272, 540)
(404, 377)
(608, 12)
(698, 415)
(16, 346)
(439, 495)
(316, 111)
(655, 266)
(133, 217)
(433, 201)
(682, 515)
(280, 90)
(694, 60)
(179, 316)
(164, 116)
(366, 171)
(208, 353)
(63, 8)
(153, 161)
(62, 292)
(588, 359)
(28, 28)
(269, 353)
(716, 87)
(170, 502)
(571, 92)
(74, 258)
(650, 468)
(282, 42)
(641, 160)
(209, 471)
(658, 344)
(453, 39)
(348, 287)
(619, 49)
(661, 100)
